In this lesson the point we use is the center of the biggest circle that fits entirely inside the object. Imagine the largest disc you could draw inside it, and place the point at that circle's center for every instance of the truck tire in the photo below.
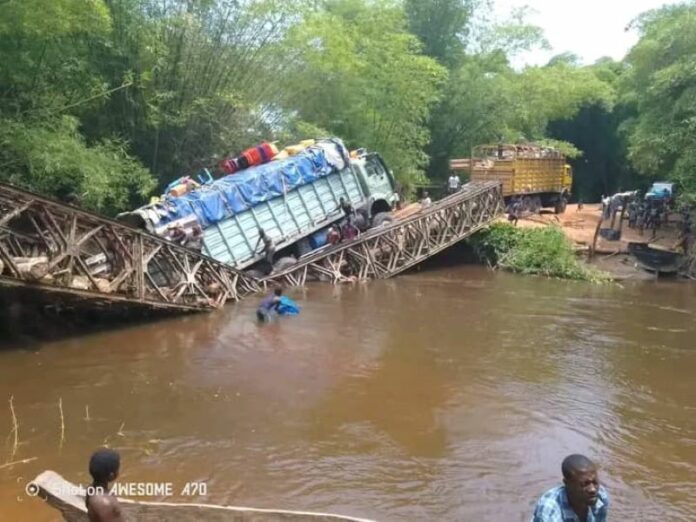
(361, 221)
(382, 218)
(561, 204)
(303, 247)
(258, 274)
(283, 263)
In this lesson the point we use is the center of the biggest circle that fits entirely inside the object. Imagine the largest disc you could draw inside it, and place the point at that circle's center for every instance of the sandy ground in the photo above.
(580, 226)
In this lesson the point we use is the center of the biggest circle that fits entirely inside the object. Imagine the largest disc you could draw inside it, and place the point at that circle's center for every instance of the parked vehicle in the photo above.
(661, 190)
(294, 200)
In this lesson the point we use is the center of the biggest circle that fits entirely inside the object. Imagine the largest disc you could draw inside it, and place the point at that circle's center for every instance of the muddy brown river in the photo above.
(448, 395)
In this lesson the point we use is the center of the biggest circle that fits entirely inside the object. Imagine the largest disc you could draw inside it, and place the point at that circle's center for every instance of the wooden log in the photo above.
(2, 266)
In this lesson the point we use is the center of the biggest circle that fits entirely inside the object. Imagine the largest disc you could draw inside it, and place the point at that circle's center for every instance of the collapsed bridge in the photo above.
(66, 256)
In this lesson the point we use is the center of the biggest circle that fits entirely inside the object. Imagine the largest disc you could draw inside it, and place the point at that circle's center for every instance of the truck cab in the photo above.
(377, 182)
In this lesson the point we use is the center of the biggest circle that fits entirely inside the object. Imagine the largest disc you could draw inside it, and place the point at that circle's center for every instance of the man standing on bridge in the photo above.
(580, 499)
(268, 246)
(453, 184)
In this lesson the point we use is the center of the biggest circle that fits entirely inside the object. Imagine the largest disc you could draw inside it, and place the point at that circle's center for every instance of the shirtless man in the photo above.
(101, 505)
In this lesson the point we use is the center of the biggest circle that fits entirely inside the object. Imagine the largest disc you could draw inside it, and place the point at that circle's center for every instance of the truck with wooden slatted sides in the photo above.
(294, 200)
(533, 176)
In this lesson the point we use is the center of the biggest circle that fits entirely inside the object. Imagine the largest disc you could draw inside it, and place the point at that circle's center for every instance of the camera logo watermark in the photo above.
(127, 489)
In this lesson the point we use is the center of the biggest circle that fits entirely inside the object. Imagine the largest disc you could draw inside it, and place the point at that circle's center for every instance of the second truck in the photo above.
(535, 176)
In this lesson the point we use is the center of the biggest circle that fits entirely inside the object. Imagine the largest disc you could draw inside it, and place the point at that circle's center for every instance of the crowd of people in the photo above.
(645, 213)
(579, 497)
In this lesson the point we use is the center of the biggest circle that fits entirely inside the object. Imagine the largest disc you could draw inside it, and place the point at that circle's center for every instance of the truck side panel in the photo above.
(286, 219)
(526, 175)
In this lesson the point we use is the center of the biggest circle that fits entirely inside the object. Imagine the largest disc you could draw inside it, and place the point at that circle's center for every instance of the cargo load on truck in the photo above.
(533, 176)
(293, 199)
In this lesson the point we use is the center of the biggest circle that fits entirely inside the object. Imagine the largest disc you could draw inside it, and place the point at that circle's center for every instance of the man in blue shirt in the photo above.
(580, 499)
(269, 305)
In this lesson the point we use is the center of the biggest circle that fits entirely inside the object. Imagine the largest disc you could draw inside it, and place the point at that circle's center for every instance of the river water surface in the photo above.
(451, 394)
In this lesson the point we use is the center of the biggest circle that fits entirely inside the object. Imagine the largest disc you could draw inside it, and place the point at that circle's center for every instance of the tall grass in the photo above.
(542, 251)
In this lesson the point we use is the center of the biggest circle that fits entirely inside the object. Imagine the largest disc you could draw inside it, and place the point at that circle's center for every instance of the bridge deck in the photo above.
(387, 251)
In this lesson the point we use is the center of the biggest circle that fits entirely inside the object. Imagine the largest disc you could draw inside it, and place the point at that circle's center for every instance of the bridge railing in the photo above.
(60, 247)
(386, 251)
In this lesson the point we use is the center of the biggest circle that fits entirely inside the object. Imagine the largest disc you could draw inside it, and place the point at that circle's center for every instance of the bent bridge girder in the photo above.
(56, 248)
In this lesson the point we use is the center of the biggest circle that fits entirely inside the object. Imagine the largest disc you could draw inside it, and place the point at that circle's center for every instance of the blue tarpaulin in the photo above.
(287, 306)
(236, 193)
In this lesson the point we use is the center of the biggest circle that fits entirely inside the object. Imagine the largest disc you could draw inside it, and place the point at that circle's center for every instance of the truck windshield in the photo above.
(374, 166)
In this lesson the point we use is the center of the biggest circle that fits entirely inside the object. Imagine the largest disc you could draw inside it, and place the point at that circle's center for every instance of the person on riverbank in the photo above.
(269, 305)
(268, 246)
(515, 212)
(580, 499)
(104, 466)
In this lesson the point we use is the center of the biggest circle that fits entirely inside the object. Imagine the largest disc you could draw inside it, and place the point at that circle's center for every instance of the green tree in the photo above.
(46, 82)
(52, 157)
(660, 87)
(603, 167)
(443, 27)
(360, 75)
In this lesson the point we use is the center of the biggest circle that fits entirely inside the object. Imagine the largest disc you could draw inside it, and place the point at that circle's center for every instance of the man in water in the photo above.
(268, 246)
(269, 305)
(101, 505)
(580, 499)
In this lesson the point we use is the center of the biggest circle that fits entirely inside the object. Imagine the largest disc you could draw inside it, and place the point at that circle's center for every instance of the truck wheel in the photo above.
(303, 247)
(258, 274)
(360, 220)
(382, 218)
(560, 207)
(283, 263)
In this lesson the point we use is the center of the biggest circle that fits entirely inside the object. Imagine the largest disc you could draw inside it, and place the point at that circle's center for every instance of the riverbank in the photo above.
(611, 257)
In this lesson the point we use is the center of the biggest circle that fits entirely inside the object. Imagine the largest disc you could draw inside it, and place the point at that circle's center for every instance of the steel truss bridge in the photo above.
(64, 254)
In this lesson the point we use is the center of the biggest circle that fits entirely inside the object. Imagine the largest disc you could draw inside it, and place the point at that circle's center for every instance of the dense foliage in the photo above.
(105, 100)
(544, 251)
